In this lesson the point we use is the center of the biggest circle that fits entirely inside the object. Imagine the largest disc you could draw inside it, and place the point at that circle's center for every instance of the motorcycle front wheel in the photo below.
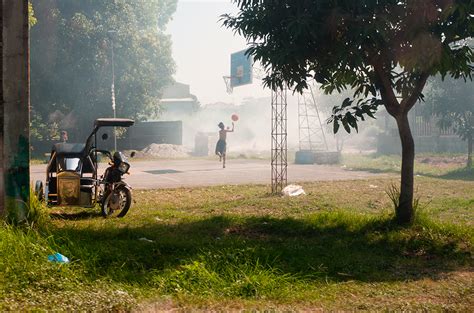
(117, 202)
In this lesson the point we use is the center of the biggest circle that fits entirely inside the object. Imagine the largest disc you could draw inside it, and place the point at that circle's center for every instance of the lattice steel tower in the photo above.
(279, 140)
(311, 131)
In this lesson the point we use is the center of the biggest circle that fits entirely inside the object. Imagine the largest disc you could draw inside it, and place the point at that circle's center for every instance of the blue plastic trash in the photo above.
(58, 257)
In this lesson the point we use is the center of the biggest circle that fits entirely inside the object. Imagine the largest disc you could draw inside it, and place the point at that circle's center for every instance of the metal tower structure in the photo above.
(311, 131)
(242, 71)
(279, 140)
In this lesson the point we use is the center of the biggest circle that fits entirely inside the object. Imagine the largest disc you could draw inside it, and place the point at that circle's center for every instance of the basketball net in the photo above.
(228, 85)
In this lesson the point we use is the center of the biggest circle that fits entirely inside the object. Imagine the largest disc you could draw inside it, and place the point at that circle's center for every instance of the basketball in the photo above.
(234, 117)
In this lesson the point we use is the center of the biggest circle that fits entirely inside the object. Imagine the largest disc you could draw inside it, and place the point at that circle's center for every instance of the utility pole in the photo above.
(111, 34)
(14, 116)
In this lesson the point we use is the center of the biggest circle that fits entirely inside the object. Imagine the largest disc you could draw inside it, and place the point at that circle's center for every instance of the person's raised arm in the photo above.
(231, 130)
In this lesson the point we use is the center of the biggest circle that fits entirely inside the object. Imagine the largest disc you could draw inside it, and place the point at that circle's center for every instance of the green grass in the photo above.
(37, 161)
(447, 166)
(237, 247)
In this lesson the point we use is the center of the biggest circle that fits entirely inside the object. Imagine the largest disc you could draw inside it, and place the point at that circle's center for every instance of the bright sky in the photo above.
(202, 48)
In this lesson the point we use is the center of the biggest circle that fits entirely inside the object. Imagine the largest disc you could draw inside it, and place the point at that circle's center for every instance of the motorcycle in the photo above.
(72, 178)
(116, 195)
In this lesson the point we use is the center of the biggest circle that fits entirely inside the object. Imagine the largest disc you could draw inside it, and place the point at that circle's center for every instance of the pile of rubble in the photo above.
(165, 151)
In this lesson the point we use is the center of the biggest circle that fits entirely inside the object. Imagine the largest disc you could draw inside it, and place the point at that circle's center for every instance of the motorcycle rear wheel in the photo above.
(39, 190)
(117, 203)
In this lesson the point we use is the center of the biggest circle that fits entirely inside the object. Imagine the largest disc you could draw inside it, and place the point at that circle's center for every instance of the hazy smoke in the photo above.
(253, 129)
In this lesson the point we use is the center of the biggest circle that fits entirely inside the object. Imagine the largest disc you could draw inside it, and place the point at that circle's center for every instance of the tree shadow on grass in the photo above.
(374, 170)
(328, 246)
(79, 215)
(465, 174)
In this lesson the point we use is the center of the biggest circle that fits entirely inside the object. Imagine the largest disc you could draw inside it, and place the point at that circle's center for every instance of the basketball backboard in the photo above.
(240, 69)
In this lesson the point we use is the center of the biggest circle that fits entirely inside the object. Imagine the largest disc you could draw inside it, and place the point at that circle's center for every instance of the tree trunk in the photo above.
(16, 133)
(2, 187)
(399, 110)
(469, 152)
(404, 211)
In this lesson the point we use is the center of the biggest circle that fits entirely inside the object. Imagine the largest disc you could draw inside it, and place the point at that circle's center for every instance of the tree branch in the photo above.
(388, 96)
(407, 103)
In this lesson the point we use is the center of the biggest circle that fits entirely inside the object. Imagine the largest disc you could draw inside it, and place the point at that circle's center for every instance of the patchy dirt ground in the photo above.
(442, 161)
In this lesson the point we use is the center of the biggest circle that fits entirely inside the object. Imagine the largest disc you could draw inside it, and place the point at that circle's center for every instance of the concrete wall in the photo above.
(146, 133)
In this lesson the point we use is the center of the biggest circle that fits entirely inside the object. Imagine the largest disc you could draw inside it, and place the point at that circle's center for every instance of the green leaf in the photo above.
(335, 126)
(347, 102)
(346, 126)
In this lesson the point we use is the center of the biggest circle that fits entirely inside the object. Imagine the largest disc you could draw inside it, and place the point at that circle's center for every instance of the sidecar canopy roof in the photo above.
(104, 122)
(118, 122)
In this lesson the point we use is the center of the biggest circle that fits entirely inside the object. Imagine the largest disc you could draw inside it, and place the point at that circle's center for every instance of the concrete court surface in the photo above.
(191, 173)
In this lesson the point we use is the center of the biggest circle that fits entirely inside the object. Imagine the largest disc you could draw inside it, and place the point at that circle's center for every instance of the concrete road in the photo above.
(189, 173)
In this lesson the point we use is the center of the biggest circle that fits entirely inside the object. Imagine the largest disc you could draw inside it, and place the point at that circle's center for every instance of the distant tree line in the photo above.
(71, 61)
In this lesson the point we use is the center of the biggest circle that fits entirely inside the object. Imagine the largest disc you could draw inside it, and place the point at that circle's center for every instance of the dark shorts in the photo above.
(220, 146)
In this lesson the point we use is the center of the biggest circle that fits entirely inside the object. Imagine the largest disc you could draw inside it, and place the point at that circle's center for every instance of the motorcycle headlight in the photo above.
(123, 167)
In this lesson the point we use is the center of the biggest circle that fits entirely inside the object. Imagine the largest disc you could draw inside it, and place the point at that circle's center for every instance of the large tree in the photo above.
(71, 62)
(384, 49)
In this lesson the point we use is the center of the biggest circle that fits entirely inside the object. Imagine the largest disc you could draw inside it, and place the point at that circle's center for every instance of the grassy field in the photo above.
(445, 166)
(237, 247)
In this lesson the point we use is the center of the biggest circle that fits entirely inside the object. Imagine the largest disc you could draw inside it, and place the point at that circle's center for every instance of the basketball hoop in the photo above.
(240, 71)
(228, 85)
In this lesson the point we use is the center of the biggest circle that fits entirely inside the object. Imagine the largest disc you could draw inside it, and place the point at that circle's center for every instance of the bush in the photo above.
(33, 215)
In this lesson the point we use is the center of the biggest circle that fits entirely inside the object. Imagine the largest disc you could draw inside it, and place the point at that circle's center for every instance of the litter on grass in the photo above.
(293, 191)
(145, 239)
(58, 257)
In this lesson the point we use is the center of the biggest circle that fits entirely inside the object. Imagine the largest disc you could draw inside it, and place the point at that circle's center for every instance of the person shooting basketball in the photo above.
(221, 145)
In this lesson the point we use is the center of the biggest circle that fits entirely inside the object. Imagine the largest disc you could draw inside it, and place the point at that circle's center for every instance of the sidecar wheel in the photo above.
(117, 203)
(39, 190)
